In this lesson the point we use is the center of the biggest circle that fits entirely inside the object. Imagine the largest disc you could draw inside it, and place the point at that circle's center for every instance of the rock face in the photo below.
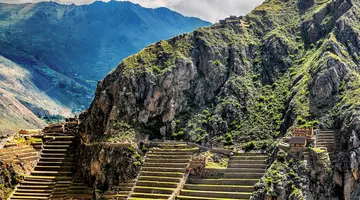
(107, 165)
(291, 63)
(7, 180)
(290, 178)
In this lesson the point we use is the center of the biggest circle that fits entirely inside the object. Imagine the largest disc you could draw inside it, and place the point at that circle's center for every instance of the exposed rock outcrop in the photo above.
(104, 166)
(297, 64)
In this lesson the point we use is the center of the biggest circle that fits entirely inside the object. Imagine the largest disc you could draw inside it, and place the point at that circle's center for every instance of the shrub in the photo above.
(249, 146)
(228, 139)
(281, 157)
(217, 62)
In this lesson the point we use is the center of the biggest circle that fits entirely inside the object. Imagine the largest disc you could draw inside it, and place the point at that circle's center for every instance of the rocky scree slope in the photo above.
(296, 64)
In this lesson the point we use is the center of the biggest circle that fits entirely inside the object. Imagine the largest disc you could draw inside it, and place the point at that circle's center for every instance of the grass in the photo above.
(151, 59)
(214, 165)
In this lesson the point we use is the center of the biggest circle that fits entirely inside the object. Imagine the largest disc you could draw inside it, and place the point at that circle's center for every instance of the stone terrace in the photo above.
(235, 182)
(164, 169)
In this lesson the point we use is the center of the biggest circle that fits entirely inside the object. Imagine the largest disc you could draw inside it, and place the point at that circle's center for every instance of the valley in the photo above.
(65, 49)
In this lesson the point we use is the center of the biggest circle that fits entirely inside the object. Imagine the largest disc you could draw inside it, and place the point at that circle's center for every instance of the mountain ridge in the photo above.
(68, 48)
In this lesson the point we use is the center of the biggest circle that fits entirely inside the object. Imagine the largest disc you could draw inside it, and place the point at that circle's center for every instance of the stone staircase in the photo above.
(326, 139)
(53, 173)
(18, 154)
(163, 171)
(237, 181)
(122, 192)
(79, 190)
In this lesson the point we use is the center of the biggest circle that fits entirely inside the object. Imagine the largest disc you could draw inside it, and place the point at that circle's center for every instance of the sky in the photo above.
(210, 10)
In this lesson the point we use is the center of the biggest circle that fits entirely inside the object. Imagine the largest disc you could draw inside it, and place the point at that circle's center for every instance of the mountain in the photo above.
(287, 64)
(21, 102)
(66, 49)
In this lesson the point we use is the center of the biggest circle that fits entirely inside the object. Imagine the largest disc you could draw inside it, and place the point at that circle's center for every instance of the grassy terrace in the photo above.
(163, 171)
(236, 181)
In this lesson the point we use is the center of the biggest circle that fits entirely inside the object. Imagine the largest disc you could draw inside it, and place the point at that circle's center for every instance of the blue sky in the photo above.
(210, 10)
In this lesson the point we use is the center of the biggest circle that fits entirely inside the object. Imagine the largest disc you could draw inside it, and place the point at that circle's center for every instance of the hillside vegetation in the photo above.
(290, 63)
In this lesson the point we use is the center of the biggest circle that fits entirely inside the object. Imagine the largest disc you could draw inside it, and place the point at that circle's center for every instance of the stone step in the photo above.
(164, 174)
(127, 184)
(31, 194)
(166, 153)
(55, 163)
(166, 165)
(81, 196)
(178, 146)
(27, 197)
(329, 147)
(244, 175)
(325, 139)
(33, 190)
(249, 158)
(53, 168)
(56, 159)
(217, 194)
(151, 160)
(155, 156)
(34, 186)
(51, 173)
(155, 190)
(325, 142)
(56, 146)
(224, 181)
(246, 170)
(181, 197)
(54, 150)
(41, 183)
(253, 166)
(264, 162)
(59, 137)
(325, 135)
(326, 131)
(60, 142)
(251, 154)
(47, 178)
(159, 178)
(148, 195)
(157, 184)
(223, 188)
(163, 169)
(174, 150)
(79, 190)
(56, 155)
(168, 143)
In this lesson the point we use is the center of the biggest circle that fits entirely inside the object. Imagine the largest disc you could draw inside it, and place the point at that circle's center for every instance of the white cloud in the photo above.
(211, 10)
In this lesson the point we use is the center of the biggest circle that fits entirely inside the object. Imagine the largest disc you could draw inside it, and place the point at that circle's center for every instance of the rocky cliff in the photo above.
(52, 40)
(289, 63)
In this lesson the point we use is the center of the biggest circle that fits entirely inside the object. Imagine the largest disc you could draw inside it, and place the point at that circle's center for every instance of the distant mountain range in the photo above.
(65, 49)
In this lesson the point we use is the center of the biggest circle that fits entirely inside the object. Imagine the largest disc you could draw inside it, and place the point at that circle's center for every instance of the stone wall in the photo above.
(106, 165)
